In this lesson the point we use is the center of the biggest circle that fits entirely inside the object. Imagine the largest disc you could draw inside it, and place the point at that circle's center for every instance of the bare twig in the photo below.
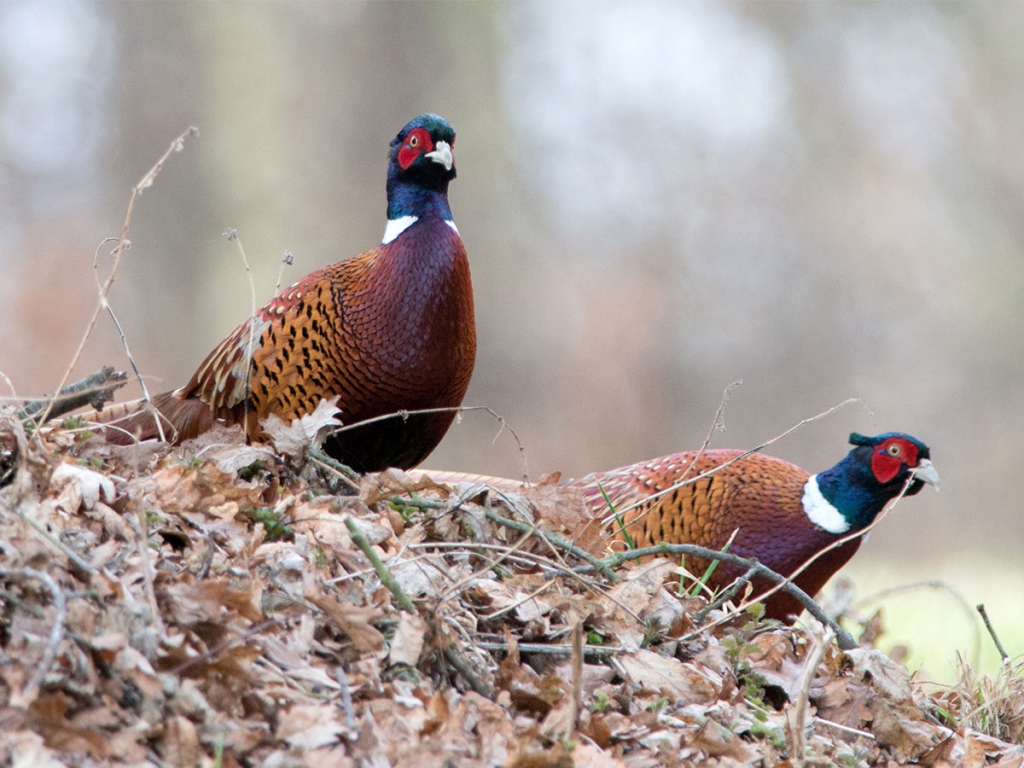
(548, 566)
(122, 245)
(717, 425)
(56, 631)
(725, 595)
(392, 585)
(599, 565)
(218, 649)
(754, 567)
(117, 324)
(844, 728)
(142, 547)
(232, 235)
(286, 261)
(798, 753)
(17, 496)
(94, 390)
(577, 677)
(378, 565)
(352, 732)
(463, 668)
(992, 631)
(349, 475)
(73, 556)
(551, 649)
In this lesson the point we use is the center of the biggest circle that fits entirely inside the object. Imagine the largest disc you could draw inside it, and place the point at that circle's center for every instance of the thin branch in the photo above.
(56, 631)
(799, 751)
(835, 544)
(577, 677)
(463, 668)
(382, 571)
(616, 515)
(286, 261)
(548, 567)
(590, 651)
(461, 665)
(131, 360)
(142, 547)
(562, 543)
(725, 595)
(73, 556)
(343, 471)
(991, 630)
(352, 732)
(754, 567)
(18, 490)
(122, 245)
(844, 728)
(232, 234)
(95, 390)
(218, 649)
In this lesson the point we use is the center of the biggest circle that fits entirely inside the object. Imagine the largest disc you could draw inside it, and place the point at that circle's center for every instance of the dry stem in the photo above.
(799, 750)
(56, 631)
(122, 245)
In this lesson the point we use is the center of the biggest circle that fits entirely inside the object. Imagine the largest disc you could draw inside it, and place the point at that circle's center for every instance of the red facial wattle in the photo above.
(416, 143)
(890, 457)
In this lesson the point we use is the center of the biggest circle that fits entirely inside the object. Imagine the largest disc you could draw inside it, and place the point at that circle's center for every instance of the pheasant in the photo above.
(390, 330)
(781, 514)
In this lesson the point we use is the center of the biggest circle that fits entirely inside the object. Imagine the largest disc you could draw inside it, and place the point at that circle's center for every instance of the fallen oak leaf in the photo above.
(80, 488)
(407, 644)
(179, 744)
(353, 620)
(308, 431)
(883, 674)
(681, 681)
(307, 727)
(566, 511)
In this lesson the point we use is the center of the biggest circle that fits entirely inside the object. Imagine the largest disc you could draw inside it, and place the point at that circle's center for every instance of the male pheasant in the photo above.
(391, 330)
(781, 514)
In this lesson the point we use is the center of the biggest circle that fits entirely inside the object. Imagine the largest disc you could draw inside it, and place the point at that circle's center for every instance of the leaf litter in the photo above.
(216, 604)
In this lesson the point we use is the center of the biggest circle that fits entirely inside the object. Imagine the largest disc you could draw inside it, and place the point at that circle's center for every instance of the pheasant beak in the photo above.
(442, 154)
(926, 472)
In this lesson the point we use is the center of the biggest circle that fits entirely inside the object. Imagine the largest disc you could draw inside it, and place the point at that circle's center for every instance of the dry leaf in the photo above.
(313, 685)
(683, 683)
(27, 750)
(884, 675)
(566, 511)
(309, 727)
(179, 745)
(407, 644)
(590, 756)
(307, 431)
(718, 741)
(80, 488)
(353, 620)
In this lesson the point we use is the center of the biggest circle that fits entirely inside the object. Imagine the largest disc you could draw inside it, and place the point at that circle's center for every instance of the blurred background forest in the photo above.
(821, 199)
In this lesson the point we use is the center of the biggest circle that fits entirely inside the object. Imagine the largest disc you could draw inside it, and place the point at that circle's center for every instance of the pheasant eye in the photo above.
(414, 142)
(894, 450)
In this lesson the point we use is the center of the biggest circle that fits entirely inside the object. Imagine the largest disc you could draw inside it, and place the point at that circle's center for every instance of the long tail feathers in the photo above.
(177, 419)
(450, 477)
